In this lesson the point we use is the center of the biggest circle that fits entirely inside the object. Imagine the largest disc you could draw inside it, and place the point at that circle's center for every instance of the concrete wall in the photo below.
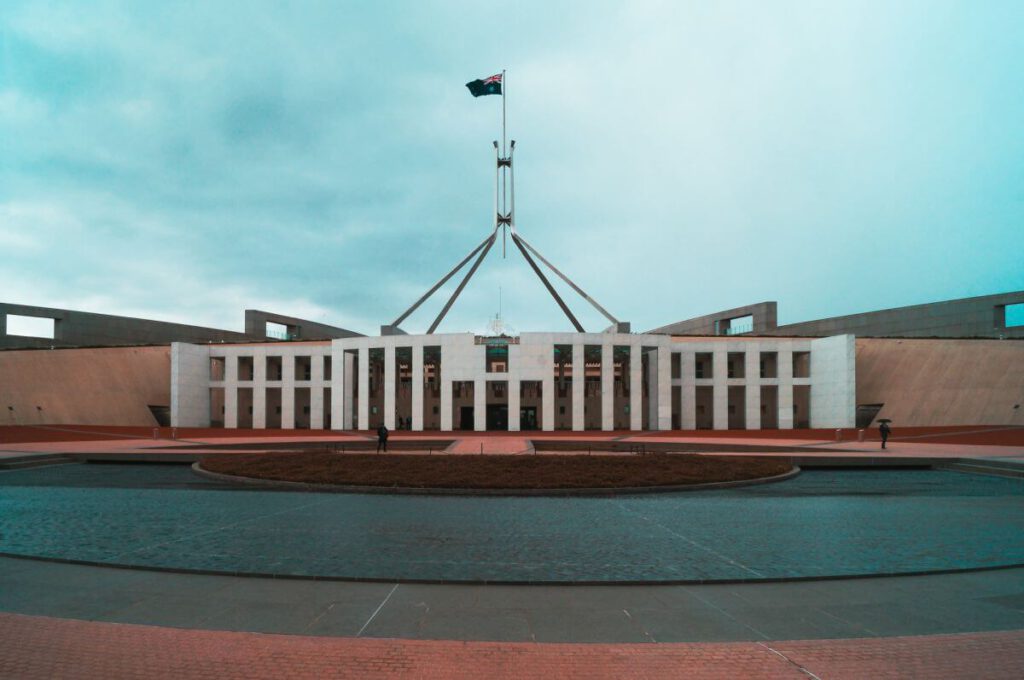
(976, 317)
(943, 382)
(107, 386)
(833, 381)
(190, 378)
(79, 329)
(764, 316)
(298, 329)
(76, 329)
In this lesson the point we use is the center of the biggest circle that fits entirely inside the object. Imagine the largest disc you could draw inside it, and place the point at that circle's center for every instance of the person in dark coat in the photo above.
(382, 438)
(884, 430)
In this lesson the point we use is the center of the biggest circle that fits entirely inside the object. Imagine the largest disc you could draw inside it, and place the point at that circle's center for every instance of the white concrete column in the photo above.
(364, 388)
(316, 392)
(785, 366)
(547, 402)
(259, 391)
(579, 371)
(446, 402)
(513, 404)
(720, 398)
(636, 395)
(663, 389)
(344, 393)
(688, 396)
(231, 393)
(390, 385)
(479, 404)
(417, 388)
(752, 376)
(607, 384)
(287, 392)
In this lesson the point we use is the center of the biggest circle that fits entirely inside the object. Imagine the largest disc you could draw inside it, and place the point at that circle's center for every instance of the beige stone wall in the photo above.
(943, 382)
(103, 386)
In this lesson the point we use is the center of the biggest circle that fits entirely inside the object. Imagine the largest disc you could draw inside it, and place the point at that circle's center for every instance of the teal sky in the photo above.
(185, 161)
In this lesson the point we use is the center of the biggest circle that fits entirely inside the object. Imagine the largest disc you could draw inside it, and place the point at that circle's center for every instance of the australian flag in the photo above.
(490, 85)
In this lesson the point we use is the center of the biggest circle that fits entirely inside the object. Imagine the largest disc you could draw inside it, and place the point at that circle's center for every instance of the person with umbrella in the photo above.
(884, 430)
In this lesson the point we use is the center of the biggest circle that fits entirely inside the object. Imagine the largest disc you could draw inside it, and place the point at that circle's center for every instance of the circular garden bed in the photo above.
(497, 472)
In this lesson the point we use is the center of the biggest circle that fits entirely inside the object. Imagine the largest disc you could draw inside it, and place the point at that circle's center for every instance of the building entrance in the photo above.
(466, 418)
(528, 418)
(497, 417)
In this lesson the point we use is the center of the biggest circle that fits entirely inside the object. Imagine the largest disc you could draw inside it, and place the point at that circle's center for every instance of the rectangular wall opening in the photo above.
(735, 363)
(497, 405)
(31, 326)
(677, 365)
(217, 368)
(217, 407)
(273, 411)
(530, 397)
(376, 396)
(302, 408)
(801, 364)
(463, 417)
(677, 407)
(303, 368)
(592, 387)
(277, 331)
(351, 396)
(432, 387)
(245, 368)
(327, 408)
(702, 366)
(245, 408)
(801, 406)
(403, 388)
(704, 407)
(496, 356)
(769, 364)
(737, 407)
(769, 407)
(327, 367)
(1013, 315)
(622, 363)
(275, 368)
(564, 375)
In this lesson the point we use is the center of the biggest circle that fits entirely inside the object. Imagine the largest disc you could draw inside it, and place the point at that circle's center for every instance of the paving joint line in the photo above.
(377, 610)
(787, 659)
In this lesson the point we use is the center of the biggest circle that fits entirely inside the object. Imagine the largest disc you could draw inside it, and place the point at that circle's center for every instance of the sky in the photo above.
(185, 161)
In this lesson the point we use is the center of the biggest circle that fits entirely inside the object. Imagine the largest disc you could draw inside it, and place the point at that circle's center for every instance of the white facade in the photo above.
(545, 381)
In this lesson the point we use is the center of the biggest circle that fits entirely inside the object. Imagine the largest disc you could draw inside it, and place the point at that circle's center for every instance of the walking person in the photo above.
(382, 438)
(884, 430)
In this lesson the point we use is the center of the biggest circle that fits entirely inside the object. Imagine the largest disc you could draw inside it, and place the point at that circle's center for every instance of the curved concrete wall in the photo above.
(943, 382)
(102, 386)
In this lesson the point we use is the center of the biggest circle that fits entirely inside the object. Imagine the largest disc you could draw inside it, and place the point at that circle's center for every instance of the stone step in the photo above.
(34, 461)
(985, 467)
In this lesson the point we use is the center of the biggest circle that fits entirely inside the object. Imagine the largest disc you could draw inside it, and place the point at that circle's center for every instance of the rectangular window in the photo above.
(497, 358)
(217, 366)
(31, 326)
(277, 331)
(801, 364)
(1014, 315)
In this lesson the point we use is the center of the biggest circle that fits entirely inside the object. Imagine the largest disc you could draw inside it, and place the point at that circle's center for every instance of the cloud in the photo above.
(673, 159)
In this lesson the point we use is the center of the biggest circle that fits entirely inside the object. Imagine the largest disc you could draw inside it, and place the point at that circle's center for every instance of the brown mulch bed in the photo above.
(496, 472)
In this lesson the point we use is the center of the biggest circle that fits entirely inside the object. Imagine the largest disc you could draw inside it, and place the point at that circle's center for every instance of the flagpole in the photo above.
(503, 90)
(504, 154)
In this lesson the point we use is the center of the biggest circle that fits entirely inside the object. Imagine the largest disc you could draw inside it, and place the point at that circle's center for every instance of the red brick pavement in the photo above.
(38, 647)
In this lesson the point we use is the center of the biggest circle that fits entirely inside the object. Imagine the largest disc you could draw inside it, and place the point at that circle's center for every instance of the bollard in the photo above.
(174, 433)
(156, 433)
(839, 435)
(860, 435)
(481, 448)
